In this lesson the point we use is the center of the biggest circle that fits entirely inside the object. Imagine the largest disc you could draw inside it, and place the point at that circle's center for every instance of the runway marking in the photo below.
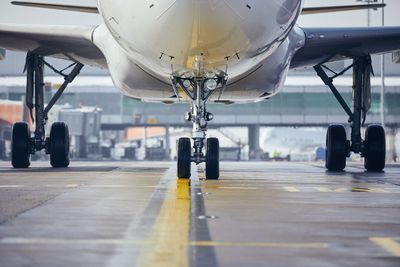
(389, 244)
(231, 187)
(78, 185)
(362, 190)
(141, 226)
(167, 244)
(323, 189)
(259, 244)
(291, 189)
(338, 190)
(58, 185)
(237, 187)
(121, 186)
(128, 242)
(61, 241)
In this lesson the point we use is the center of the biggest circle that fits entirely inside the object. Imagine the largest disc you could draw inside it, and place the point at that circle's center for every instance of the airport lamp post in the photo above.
(383, 89)
(368, 10)
(382, 98)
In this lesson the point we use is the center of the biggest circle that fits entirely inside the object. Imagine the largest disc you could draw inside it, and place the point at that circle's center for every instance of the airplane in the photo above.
(200, 51)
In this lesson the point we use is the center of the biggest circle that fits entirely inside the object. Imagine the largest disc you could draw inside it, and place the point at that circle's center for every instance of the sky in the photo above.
(353, 18)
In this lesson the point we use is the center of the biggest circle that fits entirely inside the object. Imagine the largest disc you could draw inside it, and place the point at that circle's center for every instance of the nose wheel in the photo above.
(184, 158)
(199, 90)
(212, 159)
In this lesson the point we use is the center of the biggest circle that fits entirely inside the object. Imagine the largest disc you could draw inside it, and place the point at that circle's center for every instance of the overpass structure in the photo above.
(304, 101)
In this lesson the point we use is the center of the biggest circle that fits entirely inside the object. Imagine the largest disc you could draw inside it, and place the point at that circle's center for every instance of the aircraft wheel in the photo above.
(184, 158)
(212, 159)
(20, 145)
(59, 145)
(336, 148)
(375, 148)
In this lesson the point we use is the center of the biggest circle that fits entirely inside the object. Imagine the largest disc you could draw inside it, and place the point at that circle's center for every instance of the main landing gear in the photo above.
(23, 145)
(338, 148)
(199, 91)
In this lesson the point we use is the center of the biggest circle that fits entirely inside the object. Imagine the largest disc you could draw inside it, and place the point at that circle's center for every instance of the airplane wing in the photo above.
(334, 44)
(65, 42)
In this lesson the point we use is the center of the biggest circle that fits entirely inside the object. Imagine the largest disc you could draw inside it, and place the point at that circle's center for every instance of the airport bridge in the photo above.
(304, 101)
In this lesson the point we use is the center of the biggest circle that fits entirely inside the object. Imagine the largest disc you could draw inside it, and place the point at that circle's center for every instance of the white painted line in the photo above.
(291, 189)
(238, 188)
(323, 189)
(65, 241)
(121, 186)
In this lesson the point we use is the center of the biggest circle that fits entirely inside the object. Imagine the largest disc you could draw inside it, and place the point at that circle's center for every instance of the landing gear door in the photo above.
(2, 54)
(396, 57)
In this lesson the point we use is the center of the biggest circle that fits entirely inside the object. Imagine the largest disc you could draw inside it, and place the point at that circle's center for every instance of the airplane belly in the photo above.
(261, 82)
(168, 35)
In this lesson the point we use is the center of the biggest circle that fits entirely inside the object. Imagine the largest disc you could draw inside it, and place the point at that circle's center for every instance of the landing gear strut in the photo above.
(338, 148)
(199, 91)
(57, 145)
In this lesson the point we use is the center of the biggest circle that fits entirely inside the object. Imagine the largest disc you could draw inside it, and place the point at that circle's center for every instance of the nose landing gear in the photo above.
(199, 91)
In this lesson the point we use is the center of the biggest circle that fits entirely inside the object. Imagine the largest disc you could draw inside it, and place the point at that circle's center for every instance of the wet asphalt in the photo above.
(257, 214)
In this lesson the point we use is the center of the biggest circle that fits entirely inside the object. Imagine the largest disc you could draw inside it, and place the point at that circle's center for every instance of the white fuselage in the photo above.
(146, 42)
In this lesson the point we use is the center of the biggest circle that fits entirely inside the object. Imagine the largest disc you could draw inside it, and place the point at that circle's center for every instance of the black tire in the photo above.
(21, 145)
(184, 158)
(375, 148)
(337, 148)
(59, 145)
(212, 159)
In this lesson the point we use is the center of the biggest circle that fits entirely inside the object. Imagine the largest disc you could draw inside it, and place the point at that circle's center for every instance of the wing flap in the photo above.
(65, 42)
(333, 44)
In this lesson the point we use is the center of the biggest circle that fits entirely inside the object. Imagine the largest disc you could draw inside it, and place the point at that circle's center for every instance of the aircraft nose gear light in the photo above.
(199, 90)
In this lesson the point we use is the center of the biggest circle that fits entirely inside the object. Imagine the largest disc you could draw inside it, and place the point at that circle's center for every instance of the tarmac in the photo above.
(258, 214)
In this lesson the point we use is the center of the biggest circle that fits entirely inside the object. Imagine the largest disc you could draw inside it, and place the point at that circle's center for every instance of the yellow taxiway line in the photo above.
(167, 243)
(389, 244)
